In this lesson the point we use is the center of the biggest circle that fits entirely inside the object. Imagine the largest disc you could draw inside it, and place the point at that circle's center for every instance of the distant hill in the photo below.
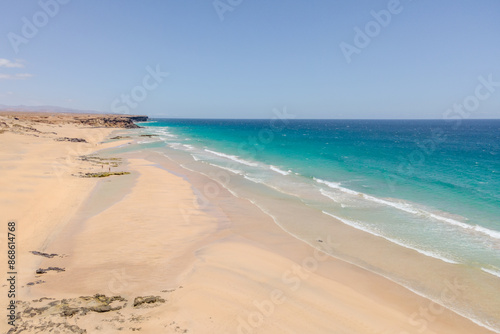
(46, 109)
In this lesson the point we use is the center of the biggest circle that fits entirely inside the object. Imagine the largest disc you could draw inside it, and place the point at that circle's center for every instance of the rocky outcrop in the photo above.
(99, 313)
(44, 271)
(44, 254)
(93, 120)
(120, 137)
(101, 174)
(73, 140)
(22, 128)
(139, 118)
(126, 122)
(138, 301)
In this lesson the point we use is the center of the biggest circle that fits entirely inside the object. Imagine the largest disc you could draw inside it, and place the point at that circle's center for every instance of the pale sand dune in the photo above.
(218, 270)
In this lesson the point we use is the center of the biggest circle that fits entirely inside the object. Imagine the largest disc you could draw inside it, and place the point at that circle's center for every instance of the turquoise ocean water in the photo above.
(427, 185)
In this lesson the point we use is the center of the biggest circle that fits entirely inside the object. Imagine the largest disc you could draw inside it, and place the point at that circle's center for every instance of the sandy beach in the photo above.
(144, 251)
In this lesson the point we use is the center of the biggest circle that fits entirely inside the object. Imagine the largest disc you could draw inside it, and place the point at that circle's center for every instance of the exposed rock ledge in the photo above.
(93, 120)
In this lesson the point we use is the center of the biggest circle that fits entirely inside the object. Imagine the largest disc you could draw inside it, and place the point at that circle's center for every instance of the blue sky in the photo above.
(242, 58)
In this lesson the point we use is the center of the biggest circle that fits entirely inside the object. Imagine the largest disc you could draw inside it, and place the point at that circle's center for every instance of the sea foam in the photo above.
(235, 171)
(492, 272)
(406, 207)
(360, 226)
(279, 171)
(232, 157)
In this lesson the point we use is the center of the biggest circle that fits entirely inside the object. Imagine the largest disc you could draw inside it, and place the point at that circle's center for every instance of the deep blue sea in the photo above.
(429, 185)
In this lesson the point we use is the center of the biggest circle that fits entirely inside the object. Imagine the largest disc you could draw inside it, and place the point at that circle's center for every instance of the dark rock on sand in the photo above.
(36, 282)
(44, 271)
(103, 174)
(120, 137)
(44, 254)
(147, 300)
(73, 140)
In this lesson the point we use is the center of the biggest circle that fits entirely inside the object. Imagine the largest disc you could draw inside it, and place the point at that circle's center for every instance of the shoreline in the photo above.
(196, 254)
(433, 302)
(426, 276)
